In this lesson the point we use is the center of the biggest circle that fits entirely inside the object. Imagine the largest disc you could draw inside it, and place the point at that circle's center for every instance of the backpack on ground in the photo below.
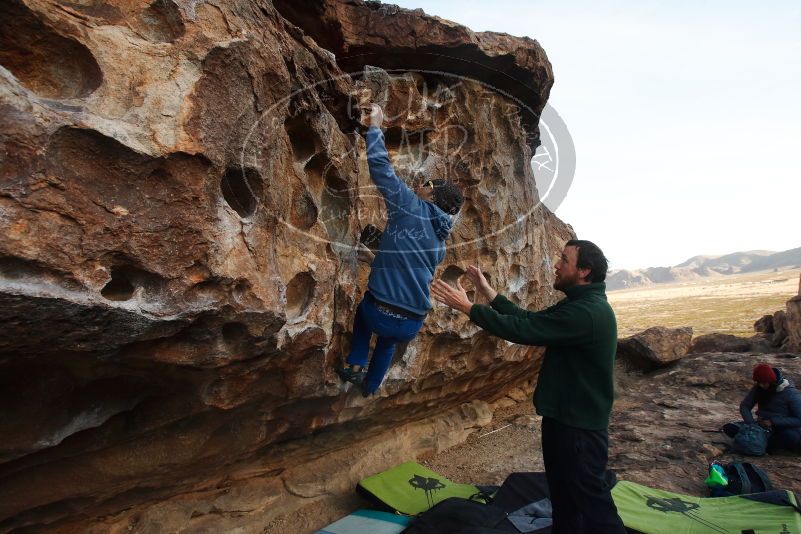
(746, 478)
(751, 440)
(455, 515)
(737, 478)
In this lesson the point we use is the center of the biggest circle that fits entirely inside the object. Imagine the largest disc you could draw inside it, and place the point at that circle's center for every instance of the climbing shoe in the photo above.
(363, 389)
(347, 374)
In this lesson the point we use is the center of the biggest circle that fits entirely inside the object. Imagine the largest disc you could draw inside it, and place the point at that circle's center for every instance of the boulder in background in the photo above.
(656, 347)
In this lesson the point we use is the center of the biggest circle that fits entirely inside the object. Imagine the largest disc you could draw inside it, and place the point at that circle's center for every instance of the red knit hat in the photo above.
(764, 373)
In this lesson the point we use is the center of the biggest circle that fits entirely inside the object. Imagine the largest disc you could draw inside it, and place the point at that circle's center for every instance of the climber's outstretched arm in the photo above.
(397, 194)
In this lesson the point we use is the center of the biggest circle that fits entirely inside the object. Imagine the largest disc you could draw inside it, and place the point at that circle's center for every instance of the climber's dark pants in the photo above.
(788, 438)
(575, 465)
(391, 329)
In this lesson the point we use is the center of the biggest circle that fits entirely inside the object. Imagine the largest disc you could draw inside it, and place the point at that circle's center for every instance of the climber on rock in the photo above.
(412, 245)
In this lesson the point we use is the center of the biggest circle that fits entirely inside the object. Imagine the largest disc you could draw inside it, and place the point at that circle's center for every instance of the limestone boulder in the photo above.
(780, 334)
(794, 325)
(793, 322)
(717, 342)
(182, 187)
(655, 347)
(764, 324)
(397, 39)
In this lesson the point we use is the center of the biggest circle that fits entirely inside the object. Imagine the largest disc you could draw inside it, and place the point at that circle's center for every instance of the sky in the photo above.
(686, 118)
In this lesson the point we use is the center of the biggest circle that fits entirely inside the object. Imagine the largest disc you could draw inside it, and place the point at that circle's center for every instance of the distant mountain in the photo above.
(705, 266)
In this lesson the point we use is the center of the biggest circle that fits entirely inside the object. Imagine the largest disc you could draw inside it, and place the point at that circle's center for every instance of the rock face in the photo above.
(764, 324)
(793, 322)
(772, 329)
(779, 329)
(181, 190)
(656, 347)
(717, 342)
(400, 40)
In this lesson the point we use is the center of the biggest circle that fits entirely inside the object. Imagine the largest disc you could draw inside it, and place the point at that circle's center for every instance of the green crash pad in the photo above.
(653, 511)
(410, 488)
(368, 521)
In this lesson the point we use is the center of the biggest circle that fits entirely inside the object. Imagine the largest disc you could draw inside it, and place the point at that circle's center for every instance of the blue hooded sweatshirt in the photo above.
(413, 242)
(782, 405)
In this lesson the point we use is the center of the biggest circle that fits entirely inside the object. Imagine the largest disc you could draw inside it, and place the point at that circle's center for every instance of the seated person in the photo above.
(412, 245)
(778, 409)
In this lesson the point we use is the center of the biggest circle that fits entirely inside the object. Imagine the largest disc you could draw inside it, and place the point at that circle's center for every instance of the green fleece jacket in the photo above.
(575, 385)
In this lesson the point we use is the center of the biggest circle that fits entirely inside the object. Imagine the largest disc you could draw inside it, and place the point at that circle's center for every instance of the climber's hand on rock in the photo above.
(456, 297)
(480, 282)
(364, 254)
(376, 116)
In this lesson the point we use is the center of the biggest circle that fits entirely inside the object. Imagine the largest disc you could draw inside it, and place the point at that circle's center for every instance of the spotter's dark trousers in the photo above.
(575, 465)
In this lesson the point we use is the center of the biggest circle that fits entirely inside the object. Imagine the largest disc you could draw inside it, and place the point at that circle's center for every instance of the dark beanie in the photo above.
(448, 196)
(764, 373)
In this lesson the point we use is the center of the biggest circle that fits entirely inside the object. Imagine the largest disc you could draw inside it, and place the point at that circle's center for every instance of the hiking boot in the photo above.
(347, 374)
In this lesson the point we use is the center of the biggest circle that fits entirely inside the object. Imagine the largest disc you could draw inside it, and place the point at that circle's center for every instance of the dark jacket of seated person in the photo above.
(778, 409)
(780, 403)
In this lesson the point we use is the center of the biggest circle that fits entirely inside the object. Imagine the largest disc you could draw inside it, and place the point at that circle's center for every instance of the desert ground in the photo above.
(690, 400)
(662, 434)
(728, 304)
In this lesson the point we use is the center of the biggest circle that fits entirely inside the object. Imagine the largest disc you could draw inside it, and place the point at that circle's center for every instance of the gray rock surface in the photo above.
(664, 430)
(655, 347)
(717, 342)
(182, 185)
